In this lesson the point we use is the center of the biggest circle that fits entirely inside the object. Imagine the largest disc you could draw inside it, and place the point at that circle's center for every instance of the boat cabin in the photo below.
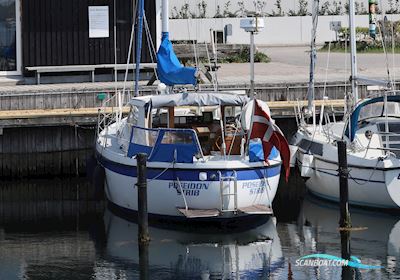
(379, 121)
(178, 127)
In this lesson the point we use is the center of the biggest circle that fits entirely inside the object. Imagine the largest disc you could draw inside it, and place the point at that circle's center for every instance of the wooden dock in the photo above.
(49, 130)
(13, 118)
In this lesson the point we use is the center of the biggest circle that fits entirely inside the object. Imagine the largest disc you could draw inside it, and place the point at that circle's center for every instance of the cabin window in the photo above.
(144, 137)
(142, 141)
(177, 137)
(314, 148)
(175, 145)
(133, 116)
(378, 110)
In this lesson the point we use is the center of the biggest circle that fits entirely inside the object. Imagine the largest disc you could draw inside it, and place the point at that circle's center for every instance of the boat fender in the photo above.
(99, 175)
(293, 153)
(307, 165)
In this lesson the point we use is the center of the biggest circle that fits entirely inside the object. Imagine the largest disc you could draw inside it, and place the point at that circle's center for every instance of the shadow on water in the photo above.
(54, 229)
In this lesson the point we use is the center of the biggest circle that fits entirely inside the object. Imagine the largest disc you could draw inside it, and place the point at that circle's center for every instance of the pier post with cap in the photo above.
(142, 197)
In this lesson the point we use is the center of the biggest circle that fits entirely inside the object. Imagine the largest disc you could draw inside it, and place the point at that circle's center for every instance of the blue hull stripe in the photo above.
(191, 174)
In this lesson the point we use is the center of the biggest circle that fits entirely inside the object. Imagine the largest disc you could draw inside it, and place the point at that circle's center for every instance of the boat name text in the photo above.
(254, 187)
(189, 188)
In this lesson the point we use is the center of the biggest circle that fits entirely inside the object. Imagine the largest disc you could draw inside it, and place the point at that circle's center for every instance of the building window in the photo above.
(7, 36)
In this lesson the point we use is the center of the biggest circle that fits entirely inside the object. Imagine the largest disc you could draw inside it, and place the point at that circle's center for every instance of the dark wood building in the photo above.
(56, 32)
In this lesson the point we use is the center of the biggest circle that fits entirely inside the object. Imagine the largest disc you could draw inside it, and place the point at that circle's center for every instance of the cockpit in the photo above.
(206, 121)
(208, 124)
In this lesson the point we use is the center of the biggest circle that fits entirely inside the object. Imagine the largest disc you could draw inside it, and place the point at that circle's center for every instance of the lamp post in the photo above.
(253, 24)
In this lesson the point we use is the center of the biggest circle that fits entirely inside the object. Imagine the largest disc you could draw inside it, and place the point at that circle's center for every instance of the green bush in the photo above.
(364, 42)
(244, 56)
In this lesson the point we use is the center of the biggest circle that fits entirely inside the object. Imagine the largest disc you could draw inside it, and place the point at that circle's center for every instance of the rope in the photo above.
(266, 190)
(161, 173)
(345, 74)
(349, 175)
(369, 179)
(150, 43)
(385, 52)
(327, 67)
(326, 131)
(393, 57)
(236, 131)
(320, 168)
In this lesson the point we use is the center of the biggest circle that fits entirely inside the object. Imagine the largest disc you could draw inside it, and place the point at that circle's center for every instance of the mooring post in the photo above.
(142, 198)
(143, 236)
(143, 260)
(347, 271)
(344, 222)
(344, 186)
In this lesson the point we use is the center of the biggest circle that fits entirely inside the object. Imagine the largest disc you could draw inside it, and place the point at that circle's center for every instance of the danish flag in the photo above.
(264, 128)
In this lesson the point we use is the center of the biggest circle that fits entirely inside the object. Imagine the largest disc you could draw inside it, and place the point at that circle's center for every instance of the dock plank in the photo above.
(60, 112)
(42, 113)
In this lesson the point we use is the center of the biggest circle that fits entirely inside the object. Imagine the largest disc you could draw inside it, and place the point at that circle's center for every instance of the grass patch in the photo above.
(243, 56)
(362, 47)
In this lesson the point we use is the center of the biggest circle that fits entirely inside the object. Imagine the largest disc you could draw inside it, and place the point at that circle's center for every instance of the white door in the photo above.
(10, 37)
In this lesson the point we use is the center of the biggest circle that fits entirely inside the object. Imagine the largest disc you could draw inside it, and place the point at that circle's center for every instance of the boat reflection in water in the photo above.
(192, 255)
(317, 232)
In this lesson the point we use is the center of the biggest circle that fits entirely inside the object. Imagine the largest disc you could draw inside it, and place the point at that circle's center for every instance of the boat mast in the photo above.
(139, 30)
(165, 17)
(353, 50)
(313, 58)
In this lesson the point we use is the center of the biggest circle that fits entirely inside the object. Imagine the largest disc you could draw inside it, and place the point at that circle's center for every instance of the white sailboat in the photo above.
(197, 143)
(371, 128)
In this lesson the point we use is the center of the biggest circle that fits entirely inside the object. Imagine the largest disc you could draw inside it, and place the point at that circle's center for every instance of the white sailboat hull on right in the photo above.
(370, 130)
(367, 186)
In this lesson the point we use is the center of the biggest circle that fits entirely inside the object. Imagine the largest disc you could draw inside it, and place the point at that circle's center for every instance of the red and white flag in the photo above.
(264, 128)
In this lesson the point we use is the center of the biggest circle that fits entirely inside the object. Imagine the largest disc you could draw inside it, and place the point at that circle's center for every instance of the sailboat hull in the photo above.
(170, 189)
(367, 186)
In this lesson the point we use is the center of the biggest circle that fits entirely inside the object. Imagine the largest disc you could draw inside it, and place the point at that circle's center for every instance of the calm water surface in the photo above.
(45, 237)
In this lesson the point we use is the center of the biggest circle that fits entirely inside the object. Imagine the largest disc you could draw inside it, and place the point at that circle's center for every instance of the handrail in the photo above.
(385, 149)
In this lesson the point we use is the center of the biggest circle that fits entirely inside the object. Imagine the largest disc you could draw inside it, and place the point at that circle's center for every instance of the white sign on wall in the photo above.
(98, 22)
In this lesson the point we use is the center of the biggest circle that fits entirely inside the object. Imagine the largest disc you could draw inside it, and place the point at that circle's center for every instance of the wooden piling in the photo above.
(142, 198)
(344, 222)
(143, 260)
(344, 186)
